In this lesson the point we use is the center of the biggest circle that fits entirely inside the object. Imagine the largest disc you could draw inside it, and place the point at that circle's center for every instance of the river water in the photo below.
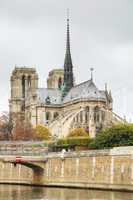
(12, 192)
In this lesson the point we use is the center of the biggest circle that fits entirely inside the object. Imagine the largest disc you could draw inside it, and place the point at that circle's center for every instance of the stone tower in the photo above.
(23, 80)
(68, 66)
(55, 78)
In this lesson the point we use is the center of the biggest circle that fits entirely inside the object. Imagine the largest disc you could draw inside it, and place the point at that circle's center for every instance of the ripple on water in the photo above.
(13, 192)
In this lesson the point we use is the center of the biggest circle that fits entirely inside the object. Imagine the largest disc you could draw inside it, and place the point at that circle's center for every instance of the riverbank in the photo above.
(103, 169)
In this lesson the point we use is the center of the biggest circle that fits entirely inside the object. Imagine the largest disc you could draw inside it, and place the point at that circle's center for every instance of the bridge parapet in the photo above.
(35, 163)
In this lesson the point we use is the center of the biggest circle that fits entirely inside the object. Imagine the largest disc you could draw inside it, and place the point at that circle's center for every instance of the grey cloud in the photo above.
(33, 33)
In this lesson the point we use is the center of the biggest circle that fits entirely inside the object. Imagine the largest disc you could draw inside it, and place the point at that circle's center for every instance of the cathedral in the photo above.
(63, 105)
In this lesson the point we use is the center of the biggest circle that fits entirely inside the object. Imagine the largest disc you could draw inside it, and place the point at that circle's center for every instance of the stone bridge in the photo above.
(32, 163)
(100, 169)
(37, 164)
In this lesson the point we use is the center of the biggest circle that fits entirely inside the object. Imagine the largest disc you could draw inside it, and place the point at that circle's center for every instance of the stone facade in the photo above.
(62, 105)
(55, 78)
(23, 80)
(47, 106)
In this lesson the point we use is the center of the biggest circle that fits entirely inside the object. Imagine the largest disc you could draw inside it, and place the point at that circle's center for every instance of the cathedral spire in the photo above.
(68, 67)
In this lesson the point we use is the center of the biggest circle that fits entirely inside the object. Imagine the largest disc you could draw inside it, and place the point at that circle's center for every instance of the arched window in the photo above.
(77, 118)
(23, 86)
(96, 114)
(47, 100)
(48, 116)
(29, 81)
(87, 108)
(81, 116)
(56, 115)
(29, 114)
(86, 117)
(23, 106)
(59, 83)
(103, 115)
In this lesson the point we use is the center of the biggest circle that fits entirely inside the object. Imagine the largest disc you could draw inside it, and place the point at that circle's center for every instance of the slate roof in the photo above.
(85, 90)
(54, 95)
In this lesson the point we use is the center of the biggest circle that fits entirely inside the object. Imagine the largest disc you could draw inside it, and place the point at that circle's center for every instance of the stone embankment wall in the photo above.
(104, 169)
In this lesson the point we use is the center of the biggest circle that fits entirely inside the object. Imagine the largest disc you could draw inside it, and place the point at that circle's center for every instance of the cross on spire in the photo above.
(91, 69)
(67, 14)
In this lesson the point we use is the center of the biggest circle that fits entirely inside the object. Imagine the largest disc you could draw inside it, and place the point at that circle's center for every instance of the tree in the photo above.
(119, 135)
(42, 133)
(23, 131)
(6, 126)
(76, 137)
(78, 132)
(76, 141)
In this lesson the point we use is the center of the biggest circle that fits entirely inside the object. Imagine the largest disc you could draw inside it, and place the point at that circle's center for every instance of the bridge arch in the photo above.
(38, 171)
(33, 166)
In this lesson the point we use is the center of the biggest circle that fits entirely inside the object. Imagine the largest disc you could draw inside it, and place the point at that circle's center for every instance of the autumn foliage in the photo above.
(6, 126)
(42, 133)
(76, 137)
(23, 131)
(78, 132)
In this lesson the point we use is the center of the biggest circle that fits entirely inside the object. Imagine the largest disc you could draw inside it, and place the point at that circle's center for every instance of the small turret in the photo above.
(109, 97)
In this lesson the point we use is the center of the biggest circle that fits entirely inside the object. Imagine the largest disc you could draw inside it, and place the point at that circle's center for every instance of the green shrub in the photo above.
(78, 132)
(120, 135)
(77, 141)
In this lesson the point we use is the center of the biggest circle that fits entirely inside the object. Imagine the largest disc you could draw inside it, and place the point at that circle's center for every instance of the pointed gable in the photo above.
(85, 90)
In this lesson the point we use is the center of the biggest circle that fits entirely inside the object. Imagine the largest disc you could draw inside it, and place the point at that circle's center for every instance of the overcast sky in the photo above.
(33, 33)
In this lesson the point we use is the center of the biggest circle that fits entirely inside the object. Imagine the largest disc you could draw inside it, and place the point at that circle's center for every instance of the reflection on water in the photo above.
(12, 192)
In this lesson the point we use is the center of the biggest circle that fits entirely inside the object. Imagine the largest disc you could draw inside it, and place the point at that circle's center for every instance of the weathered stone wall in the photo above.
(15, 174)
(95, 170)
(110, 169)
(53, 78)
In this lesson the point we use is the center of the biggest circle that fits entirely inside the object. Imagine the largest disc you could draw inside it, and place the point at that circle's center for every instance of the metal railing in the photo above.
(27, 148)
